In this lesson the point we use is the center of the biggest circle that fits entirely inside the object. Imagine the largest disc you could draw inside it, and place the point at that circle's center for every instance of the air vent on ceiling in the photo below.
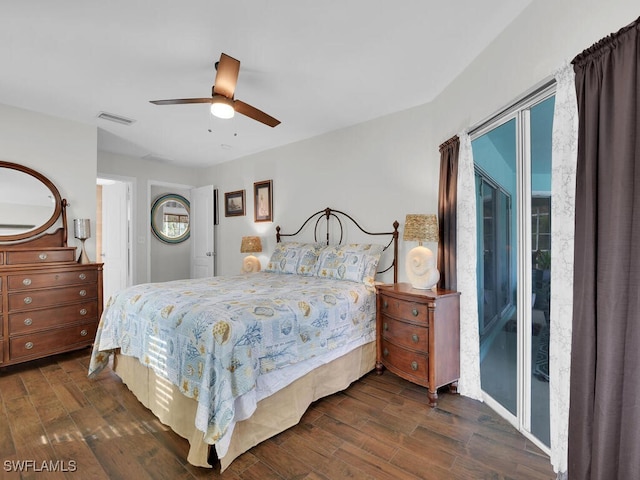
(115, 118)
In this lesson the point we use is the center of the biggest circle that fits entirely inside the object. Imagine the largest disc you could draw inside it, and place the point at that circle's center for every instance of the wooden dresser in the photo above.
(418, 335)
(49, 303)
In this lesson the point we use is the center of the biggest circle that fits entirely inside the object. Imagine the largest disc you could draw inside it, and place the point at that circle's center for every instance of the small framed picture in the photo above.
(234, 204)
(263, 201)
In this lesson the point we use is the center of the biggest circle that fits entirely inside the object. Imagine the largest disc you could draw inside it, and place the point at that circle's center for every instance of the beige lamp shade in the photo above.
(250, 245)
(250, 263)
(420, 263)
(421, 228)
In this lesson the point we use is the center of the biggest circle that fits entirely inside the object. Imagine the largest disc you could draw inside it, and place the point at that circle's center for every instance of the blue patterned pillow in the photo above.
(354, 262)
(295, 258)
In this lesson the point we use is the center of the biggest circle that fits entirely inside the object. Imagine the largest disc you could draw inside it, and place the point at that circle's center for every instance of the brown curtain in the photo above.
(604, 412)
(447, 211)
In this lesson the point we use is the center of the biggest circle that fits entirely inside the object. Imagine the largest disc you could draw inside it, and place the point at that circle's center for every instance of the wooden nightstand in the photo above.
(418, 336)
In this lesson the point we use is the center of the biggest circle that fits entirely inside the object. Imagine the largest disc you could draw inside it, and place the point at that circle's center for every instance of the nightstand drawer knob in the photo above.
(385, 352)
(83, 333)
(415, 338)
(414, 366)
(26, 282)
(415, 312)
(27, 300)
(385, 326)
(28, 345)
(27, 321)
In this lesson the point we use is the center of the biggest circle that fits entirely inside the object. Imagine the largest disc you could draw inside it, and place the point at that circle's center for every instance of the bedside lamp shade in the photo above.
(420, 262)
(250, 245)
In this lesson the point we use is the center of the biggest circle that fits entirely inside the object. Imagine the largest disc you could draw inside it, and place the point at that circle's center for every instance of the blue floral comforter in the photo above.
(213, 337)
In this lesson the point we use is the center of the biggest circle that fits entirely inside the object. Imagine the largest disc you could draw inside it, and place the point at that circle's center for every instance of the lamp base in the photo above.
(83, 258)
(421, 268)
(250, 264)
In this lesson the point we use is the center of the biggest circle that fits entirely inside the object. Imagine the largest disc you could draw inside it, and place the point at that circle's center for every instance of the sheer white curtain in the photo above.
(563, 185)
(469, 383)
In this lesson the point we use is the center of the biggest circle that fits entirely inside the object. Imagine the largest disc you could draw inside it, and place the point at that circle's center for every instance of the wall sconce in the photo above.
(82, 231)
(420, 261)
(250, 263)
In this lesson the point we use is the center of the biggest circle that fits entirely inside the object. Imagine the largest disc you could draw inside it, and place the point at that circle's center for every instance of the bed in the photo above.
(227, 362)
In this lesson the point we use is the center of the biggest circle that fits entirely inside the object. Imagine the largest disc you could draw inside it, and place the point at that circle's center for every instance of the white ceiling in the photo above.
(317, 66)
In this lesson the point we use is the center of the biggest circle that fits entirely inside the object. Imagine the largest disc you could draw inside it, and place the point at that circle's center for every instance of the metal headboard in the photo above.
(329, 213)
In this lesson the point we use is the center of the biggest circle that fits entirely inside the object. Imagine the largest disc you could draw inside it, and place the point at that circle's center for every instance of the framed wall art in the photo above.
(234, 205)
(263, 201)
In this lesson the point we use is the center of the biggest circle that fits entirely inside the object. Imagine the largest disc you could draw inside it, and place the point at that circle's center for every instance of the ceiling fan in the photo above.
(223, 105)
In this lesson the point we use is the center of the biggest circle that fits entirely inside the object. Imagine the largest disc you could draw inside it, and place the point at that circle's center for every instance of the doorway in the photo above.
(114, 231)
(512, 157)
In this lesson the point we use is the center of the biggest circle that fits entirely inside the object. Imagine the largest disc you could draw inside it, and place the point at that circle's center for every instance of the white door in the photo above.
(114, 253)
(202, 232)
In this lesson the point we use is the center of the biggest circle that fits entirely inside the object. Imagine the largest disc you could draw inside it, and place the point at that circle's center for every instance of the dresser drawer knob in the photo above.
(385, 352)
(26, 282)
(82, 276)
(42, 256)
(415, 312)
(83, 311)
(27, 300)
(415, 338)
(27, 321)
(28, 345)
(385, 326)
(83, 333)
(83, 293)
(385, 304)
(414, 366)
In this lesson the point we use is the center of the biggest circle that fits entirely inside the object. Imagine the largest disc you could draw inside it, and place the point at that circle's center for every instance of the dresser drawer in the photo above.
(35, 256)
(52, 341)
(408, 362)
(51, 297)
(415, 337)
(404, 309)
(31, 321)
(27, 280)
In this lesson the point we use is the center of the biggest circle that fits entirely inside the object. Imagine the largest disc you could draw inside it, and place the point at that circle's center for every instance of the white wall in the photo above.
(63, 151)
(145, 173)
(386, 168)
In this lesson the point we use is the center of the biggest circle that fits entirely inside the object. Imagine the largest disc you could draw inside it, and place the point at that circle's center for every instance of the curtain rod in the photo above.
(517, 103)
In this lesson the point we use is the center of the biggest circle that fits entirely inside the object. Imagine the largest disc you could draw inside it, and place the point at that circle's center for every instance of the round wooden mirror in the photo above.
(29, 202)
(170, 218)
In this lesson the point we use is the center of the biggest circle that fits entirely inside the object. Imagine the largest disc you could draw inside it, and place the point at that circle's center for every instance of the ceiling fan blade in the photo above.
(227, 76)
(253, 112)
(179, 101)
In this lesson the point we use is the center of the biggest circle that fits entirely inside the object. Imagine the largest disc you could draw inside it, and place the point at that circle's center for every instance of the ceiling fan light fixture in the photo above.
(222, 107)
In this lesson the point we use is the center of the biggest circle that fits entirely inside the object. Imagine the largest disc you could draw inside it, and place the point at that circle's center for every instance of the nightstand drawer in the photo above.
(406, 361)
(415, 337)
(58, 340)
(403, 309)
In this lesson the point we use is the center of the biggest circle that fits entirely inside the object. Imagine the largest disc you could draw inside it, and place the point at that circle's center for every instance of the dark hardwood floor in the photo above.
(56, 423)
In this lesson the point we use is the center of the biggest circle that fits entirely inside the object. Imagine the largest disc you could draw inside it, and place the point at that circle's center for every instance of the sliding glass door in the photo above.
(512, 157)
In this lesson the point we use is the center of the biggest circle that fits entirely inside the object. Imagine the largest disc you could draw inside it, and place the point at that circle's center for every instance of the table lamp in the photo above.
(420, 262)
(82, 231)
(250, 245)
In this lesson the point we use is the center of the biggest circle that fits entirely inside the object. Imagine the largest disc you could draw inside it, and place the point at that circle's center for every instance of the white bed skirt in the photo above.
(273, 415)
